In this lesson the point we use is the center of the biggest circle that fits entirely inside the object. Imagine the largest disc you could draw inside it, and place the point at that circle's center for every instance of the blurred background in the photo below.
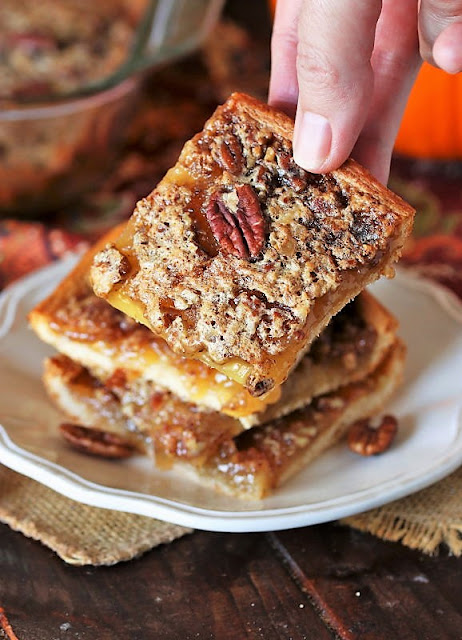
(71, 77)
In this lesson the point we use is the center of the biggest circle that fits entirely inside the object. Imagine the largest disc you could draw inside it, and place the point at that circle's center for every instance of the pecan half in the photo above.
(367, 441)
(96, 442)
(229, 155)
(240, 233)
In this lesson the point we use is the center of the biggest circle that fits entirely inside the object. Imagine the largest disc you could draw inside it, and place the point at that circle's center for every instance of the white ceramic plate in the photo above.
(338, 484)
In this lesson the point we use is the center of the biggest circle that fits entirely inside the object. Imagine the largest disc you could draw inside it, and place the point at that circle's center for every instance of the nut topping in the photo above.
(96, 442)
(240, 233)
(294, 175)
(367, 441)
(230, 155)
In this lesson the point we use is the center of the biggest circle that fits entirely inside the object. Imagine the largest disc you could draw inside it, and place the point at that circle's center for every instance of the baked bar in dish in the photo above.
(51, 48)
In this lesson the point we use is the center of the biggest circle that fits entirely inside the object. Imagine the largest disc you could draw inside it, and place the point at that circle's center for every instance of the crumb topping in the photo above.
(113, 266)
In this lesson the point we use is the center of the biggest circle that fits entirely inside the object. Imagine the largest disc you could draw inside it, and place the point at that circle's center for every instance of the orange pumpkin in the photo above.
(432, 123)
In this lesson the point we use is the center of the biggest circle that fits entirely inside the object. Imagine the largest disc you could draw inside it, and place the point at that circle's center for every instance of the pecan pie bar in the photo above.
(239, 258)
(249, 465)
(122, 390)
(115, 348)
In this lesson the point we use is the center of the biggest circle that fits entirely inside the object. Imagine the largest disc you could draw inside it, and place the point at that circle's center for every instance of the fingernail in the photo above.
(312, 140)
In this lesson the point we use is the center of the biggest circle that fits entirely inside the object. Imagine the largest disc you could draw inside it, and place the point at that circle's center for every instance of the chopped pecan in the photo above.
(240, 233)
(364, 228)
(157, 400)
(230, 155)
(260, 387)
(367, 441)
(109, 268)
(96, 442)
(294, 175)
(117, 380)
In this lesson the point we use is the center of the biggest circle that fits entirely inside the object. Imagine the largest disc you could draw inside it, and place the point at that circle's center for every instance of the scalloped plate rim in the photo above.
(76, 487)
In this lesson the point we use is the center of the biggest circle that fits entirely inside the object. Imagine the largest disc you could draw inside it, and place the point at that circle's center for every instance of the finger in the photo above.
(447, 50)
(395, 62)
(335, 79)
(441, 19)
(283, 89)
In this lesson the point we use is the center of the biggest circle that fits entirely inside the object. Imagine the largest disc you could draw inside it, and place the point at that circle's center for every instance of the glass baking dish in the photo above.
(61, 121)
(50, 153)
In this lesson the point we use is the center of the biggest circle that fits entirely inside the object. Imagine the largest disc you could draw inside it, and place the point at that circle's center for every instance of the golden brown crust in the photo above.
(269, 455)
(84, 400)
(139, 410)
(254, 463)
(325, 236)
(90, 331)
(356, 342)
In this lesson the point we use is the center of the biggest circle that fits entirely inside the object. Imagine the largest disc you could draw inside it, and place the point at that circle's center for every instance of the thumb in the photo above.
(335, 43)
(440, 33)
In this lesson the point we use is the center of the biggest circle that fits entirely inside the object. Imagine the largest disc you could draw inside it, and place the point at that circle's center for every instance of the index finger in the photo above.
(283, 89)
(336, 41)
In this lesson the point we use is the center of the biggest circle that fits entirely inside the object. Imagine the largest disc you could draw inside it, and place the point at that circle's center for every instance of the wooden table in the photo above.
(318, 582)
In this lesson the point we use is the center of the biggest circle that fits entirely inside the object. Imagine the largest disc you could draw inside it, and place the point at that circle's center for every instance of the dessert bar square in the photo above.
(117, 350)
(239, 258)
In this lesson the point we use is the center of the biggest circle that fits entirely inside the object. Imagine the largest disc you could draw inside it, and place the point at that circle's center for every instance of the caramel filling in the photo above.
(89, 328)
(277, 366)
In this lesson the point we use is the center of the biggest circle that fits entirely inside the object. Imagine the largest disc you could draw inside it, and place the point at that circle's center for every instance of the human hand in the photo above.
(345, 70)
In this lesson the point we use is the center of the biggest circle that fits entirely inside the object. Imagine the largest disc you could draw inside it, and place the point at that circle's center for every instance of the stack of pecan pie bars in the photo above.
(225, 328)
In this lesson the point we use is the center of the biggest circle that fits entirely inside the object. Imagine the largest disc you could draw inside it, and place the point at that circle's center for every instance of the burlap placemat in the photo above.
(79, 534)
(425, 520)
(83, 535)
